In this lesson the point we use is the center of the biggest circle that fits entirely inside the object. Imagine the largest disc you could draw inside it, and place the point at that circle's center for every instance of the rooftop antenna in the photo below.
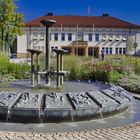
(90, 8)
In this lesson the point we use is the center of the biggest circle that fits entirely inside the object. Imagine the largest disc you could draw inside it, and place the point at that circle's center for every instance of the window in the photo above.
(69, 36)
(120, 50)
(110, 37)
(110, 50)
(35, 47)
(41, 36)
(106, 50)
(104, 37)
(97, 37)
(124, 50)
(80, 36)
(63, 36)
(35, 36)
(42, 48)
(55, 36)
(116, 50)
(117, 37)
(90, 37)
(124, 36)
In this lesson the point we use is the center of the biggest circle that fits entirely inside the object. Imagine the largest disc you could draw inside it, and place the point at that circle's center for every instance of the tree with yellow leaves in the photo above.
(11, 24)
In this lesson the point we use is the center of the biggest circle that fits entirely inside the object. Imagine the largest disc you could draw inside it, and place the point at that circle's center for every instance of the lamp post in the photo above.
(47, 24)
(8, 40)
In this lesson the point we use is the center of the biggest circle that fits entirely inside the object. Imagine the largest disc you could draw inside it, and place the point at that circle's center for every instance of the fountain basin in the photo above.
(27, 107)
(61, 107)
(7, 101)
(57, 107)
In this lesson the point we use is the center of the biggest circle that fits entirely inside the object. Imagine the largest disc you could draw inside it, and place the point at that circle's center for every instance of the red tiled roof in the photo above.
(84, 21)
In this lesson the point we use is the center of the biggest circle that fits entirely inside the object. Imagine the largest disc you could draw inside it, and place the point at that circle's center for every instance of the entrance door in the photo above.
(90, 51)
(96, 52)
(80, 51)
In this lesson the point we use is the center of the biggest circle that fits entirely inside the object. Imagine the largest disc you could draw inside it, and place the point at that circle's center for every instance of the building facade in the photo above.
(82, 35)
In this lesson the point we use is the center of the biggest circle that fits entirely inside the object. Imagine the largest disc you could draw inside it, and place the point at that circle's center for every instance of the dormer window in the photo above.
(104, 38)
(117, 37)
(111, 37)
(35, 37)
(42, 36)
(124, 37)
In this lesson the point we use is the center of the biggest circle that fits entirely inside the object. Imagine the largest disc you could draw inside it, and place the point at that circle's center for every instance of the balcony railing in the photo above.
(79, 43)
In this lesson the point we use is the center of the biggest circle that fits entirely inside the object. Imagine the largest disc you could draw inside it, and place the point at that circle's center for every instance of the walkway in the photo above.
(128, 132)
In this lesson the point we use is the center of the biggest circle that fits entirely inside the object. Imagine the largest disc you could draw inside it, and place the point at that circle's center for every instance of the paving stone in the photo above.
(128, 132)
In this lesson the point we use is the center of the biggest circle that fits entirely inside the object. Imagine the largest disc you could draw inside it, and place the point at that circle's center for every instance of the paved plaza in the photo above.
(127, 132)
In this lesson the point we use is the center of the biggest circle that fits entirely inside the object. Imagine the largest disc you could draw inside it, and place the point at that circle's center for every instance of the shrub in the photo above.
(137, 67)
(18, 70)
(114, 76)
(3, 64)
(10, 70)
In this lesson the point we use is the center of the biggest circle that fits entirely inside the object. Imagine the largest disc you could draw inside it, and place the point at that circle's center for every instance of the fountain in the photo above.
(28, 106)
(58, 107)
(64, 106)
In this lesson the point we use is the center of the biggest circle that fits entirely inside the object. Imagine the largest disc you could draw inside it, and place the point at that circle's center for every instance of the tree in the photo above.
(11, 23)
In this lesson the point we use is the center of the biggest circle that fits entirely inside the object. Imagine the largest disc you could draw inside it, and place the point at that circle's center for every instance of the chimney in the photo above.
(49, 14)
(105, 14)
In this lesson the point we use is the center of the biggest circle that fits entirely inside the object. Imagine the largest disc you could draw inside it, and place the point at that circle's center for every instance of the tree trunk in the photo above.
(2, 37)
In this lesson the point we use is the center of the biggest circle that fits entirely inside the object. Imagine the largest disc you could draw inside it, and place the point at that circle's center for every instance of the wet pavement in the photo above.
(69, 86)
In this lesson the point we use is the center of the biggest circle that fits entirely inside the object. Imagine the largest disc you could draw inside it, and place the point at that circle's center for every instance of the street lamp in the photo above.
(47, 24)
(8, 40)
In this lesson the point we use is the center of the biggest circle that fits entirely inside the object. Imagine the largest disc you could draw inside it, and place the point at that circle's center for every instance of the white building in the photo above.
(82, 35)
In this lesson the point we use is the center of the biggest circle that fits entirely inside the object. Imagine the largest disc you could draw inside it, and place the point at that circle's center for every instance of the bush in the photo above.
(110, 71)
(3, 64)
(80, 68)
(137, 67)
(114, 76)
(18, 70)
(10, 70)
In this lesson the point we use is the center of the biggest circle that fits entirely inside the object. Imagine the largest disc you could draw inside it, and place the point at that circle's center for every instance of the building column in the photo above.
(61, 69)
(86, 51)
(58, 70)
(113, 50)
(73, 50)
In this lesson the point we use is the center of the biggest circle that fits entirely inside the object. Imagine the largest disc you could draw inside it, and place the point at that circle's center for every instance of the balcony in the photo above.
(79, 43)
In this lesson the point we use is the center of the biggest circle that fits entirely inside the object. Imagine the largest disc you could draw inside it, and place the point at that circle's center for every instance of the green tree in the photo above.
(11, 23)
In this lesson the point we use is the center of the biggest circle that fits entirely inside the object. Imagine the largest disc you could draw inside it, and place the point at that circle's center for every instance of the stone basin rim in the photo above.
(65, 107)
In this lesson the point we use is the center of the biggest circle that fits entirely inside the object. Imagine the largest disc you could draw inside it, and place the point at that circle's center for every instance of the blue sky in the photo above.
(128, 10)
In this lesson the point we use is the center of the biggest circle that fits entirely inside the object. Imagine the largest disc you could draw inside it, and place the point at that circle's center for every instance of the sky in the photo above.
(128, 10)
